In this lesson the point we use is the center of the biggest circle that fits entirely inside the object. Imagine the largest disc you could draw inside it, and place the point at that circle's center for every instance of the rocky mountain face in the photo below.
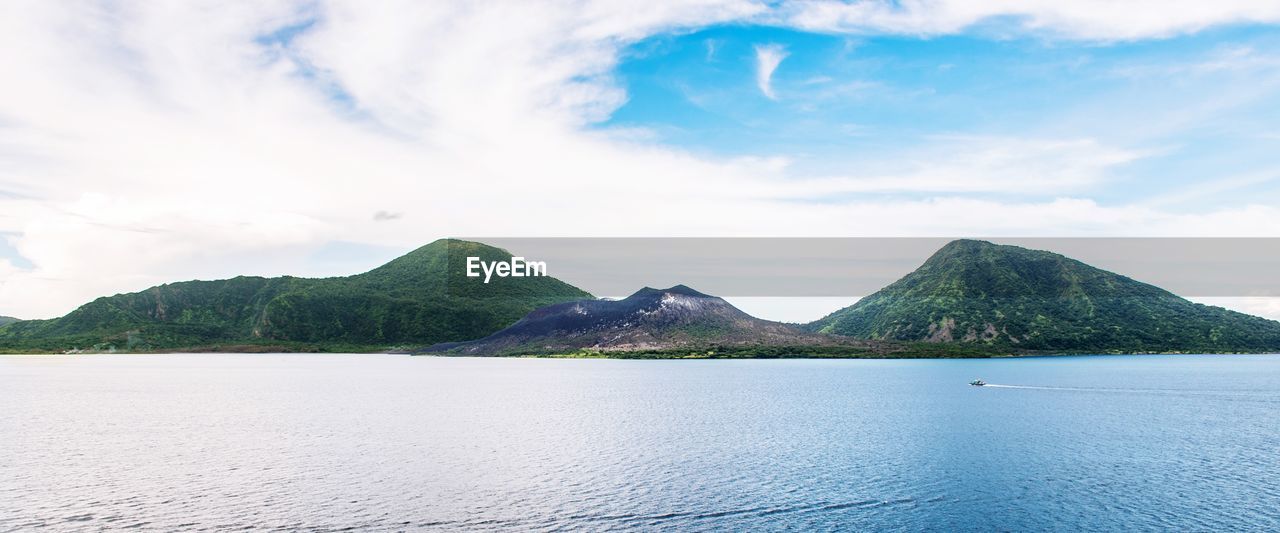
(650, 319)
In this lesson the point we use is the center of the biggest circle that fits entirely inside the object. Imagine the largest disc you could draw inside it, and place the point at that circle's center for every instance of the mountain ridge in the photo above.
(647, 319)
(674, 322)
(419, 297)
(970, 298)
(972, 291)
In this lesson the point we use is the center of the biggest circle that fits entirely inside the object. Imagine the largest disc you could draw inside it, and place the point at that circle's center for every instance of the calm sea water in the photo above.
(369, 442)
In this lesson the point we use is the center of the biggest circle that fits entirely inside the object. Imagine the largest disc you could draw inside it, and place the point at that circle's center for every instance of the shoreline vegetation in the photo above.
(971, 299)
(231, 347)
(905, 351)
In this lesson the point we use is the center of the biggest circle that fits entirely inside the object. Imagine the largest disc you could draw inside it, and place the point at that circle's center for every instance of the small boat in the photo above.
(977, 383)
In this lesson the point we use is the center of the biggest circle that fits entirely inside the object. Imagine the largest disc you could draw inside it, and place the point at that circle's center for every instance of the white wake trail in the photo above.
(1043, 388)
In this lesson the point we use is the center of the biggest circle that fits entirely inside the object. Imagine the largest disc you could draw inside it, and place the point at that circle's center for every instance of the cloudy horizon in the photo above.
(144, 143)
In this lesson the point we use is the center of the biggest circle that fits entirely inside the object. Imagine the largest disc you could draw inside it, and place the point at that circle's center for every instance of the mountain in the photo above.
(422, 297)
(670, 322)
(7, 320)
(969, 298)
(976, 292)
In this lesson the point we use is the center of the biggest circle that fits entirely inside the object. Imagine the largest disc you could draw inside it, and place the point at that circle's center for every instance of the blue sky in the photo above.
(145, 143)
(1193, 109)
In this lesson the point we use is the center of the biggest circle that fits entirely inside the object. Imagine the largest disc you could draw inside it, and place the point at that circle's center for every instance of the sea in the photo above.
(360, 442)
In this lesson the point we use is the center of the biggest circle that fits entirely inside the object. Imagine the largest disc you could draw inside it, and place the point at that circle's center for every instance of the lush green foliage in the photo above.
(1026, 300)
(971, 299)
(7, 320)
(423, 297)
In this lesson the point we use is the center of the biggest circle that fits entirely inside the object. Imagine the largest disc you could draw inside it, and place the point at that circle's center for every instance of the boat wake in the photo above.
(1035, 387)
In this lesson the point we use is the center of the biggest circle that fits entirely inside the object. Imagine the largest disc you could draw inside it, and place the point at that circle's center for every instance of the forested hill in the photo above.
(420, 298)
(1026, 300)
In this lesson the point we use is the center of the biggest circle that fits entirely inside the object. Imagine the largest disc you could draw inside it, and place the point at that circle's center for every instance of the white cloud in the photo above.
(1227, 60)
(1199, 191)
(768, 57)
(797, 310)
(147, 142)
(1263, 306)
(712, 46)
(967, 164)
(1076, 19)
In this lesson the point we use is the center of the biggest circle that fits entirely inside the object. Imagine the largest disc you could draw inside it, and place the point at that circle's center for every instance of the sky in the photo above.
(150, 142)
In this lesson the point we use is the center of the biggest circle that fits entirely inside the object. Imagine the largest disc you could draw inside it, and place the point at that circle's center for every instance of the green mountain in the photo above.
(1030, 300)
(421, 298)
(7, 320)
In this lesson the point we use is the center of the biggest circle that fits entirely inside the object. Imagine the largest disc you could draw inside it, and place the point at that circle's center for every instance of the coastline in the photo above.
(616, 355)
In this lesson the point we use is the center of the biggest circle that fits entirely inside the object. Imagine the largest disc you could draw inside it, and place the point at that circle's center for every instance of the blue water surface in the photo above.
(371, 442)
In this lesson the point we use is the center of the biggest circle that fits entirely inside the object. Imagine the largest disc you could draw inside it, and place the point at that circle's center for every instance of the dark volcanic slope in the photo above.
(650, 319)
(981, 293)
(422, 297)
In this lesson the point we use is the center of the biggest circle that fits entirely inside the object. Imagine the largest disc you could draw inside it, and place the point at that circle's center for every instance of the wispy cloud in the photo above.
(970, 164)
(1098, 20)
(1227, 60)
(712, 46)
(162, 116)
(1263, 306)
(768, 57)
(384, 216)
(1216, 185)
